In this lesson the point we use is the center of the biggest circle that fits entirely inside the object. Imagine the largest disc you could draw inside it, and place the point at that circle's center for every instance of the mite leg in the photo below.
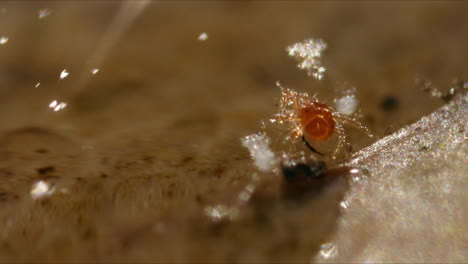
(341, 139)
(353, 123)
(309, 146)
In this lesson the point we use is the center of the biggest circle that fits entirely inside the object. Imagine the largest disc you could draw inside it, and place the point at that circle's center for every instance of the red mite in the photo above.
(308, 117)
(317, 121)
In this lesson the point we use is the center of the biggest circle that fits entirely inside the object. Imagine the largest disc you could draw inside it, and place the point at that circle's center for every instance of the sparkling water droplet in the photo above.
(56, 106)
(344, 205)
(41, 189)
(259, 147)
(64, 74)
(60, 107)
(3, 40)
(94, 71)
(203, 36)
(328, 251)
(308, 54)
(347, 105)
(53, 104)
(219, 212)
(43, 13)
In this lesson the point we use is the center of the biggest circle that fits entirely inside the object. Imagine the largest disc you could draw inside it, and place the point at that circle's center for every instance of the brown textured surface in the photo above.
(153, 138)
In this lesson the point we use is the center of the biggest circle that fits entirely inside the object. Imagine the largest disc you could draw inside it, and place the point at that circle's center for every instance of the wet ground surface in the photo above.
(145, 163)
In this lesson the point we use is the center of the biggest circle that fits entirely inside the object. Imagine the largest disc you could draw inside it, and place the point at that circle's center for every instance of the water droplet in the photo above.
(344, 205)
(64, 74)
(41, 189)
(245, 195)
(94, 71)
(356, 179)
(203, 36)
(219, 212)
(308, 53)
(3, 40)
(328, 251)
(259, 147)
(43, 13)
(56, 106)
(347, 105)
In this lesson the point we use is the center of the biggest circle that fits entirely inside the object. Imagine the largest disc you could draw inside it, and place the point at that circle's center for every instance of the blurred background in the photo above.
(148, 115)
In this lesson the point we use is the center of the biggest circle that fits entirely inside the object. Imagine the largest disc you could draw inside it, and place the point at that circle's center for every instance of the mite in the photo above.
(313, 119)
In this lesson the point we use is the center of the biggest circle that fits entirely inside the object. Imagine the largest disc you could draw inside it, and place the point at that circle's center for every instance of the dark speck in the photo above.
(148, 158)
(303, 171)
(88, 234)
(389, 103)
(423, 148)
(41, 151)
(45, 170)
(5, 196)
(6, 172)
(305, 181)
(170, 194)
(198, 198)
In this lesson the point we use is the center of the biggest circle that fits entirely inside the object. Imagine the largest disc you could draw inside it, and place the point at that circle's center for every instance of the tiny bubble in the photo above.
(43, 13)
(347, 105)
(56, 106)
(328, 251)
(53, 104)
(3, 40)
(41, 189)
(203, 36)
(344, 205)
(64, 74)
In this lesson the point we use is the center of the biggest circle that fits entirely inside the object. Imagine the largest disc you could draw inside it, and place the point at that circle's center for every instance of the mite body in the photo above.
(317, 121)
(308, 117)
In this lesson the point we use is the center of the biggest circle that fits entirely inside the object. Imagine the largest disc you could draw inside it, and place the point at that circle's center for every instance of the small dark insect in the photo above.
(302, 180)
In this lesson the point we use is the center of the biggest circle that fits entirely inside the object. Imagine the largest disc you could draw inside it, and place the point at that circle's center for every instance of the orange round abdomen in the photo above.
(317, 121)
